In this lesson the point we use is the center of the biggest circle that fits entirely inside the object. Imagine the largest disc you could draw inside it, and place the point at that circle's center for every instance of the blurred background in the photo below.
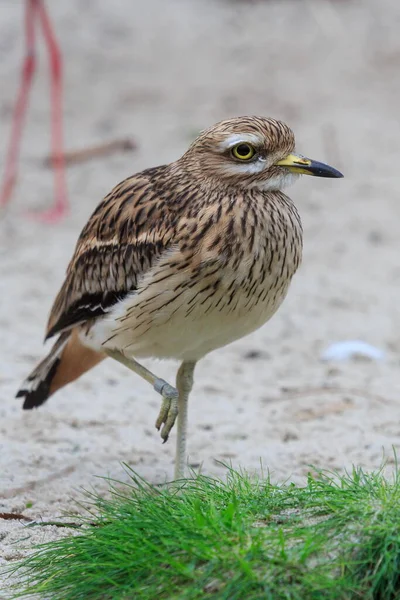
(158, 72)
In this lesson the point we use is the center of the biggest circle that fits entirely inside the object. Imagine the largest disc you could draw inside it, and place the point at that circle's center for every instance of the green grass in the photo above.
(337, 537)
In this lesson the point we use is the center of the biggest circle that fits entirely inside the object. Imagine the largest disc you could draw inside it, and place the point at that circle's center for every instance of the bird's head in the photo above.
(251, 152)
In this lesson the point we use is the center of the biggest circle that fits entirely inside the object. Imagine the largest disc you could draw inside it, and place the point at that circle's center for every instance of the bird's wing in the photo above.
(130, 229)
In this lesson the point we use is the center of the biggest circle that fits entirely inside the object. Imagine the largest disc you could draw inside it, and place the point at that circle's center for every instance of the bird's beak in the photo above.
(305, 166)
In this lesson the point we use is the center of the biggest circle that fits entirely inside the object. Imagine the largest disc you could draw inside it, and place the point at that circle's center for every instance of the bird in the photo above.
(37, 14)
(179, 260)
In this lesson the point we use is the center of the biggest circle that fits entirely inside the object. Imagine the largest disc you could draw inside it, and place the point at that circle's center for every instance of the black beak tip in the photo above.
(329, 172)
(336, 174)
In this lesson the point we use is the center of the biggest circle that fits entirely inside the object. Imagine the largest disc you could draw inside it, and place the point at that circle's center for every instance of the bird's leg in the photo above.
(169, 407)
(184, 384)
(60, 207)
(28, 70)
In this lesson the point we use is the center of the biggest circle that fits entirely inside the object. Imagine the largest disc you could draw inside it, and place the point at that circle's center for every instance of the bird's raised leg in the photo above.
(169, 408)
(184, 384)
(60, 207)
(28, 70)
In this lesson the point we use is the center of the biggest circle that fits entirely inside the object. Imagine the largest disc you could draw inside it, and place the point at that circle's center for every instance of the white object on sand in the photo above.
(348, 349)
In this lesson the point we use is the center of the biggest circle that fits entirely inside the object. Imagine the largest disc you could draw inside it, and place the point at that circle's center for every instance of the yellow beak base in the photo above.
(306, 166)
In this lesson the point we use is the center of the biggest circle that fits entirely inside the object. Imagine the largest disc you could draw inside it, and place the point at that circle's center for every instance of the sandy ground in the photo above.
(160, 71)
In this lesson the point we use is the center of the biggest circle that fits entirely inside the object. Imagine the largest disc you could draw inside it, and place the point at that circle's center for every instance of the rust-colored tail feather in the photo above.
(67, 360)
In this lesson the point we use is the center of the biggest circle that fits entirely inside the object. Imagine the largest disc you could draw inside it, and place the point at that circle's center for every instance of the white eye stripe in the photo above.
(239, 138)
(275, 183)
(246, 168)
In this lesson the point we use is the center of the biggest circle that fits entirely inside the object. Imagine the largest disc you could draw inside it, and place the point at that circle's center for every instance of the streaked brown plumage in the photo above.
(180, 260)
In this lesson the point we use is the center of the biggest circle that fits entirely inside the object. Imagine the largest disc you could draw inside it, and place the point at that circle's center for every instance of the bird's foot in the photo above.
(169, 408)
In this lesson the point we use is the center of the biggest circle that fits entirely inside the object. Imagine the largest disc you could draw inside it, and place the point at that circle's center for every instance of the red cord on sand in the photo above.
(36, 11)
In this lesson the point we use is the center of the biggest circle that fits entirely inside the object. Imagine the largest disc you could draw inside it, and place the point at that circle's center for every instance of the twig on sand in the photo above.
(66, 524)
(74, 157)
(14, 517)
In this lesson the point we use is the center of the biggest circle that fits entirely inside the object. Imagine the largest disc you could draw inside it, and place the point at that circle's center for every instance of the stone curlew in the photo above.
(179, 260)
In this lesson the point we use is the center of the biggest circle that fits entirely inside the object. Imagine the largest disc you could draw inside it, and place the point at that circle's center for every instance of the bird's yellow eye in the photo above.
(243, 151)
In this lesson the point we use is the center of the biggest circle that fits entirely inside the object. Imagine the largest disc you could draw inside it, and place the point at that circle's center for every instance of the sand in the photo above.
(161, 71)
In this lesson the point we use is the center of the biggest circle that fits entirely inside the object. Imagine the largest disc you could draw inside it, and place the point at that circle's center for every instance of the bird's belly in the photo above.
(206, 332)
(190, 326)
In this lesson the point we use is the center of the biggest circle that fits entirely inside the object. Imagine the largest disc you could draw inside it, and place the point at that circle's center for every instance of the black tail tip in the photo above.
(34, 398)
(37, 395)
(36, 388)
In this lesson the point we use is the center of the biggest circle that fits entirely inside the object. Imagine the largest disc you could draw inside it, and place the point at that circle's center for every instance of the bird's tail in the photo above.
(66, 361)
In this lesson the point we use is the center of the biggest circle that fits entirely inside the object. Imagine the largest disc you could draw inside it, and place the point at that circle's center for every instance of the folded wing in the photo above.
(129, 230)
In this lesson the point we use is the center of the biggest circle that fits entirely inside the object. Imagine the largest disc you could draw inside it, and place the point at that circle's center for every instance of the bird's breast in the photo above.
(212, 289)
(260, 270)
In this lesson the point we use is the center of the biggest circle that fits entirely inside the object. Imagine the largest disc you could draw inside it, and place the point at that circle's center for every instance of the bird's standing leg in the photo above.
(169, 407)
(60, 207)
(28, 70)
(184, 384)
